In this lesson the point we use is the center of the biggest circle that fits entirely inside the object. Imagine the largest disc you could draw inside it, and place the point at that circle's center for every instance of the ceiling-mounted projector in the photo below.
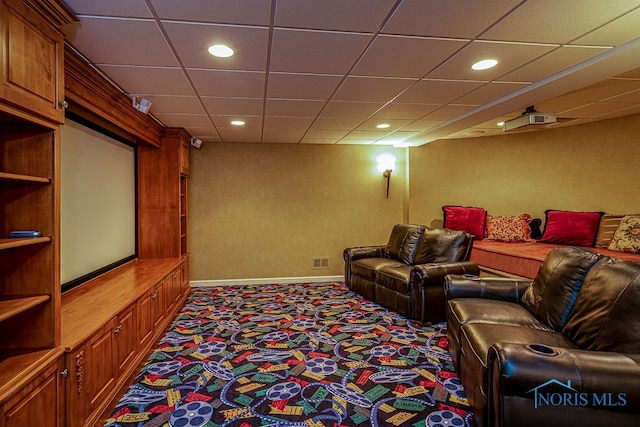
(529, 118)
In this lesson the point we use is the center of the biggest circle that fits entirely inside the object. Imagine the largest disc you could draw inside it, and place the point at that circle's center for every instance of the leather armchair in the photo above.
(562, 349)
(407, 275)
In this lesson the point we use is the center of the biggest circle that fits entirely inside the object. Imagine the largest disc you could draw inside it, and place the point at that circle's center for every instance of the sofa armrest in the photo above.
(530, 385)
(352, 254)
(360, 252)
(499, 288)
(426, 288)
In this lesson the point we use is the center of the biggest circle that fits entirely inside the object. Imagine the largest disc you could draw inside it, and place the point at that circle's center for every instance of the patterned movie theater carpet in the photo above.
(312, 354)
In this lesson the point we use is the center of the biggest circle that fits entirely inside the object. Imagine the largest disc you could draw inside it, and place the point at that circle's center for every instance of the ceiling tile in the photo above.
(422, 125)
(553, 62)
(251, 122)
(448, 112)
(192, 40)
(326, 134)
(394, 125)
(615, 33)
(489, 92)
(595, 109)
(551, 21)
(509, 56)
(149, 80)
(302, 86)
(318, 52)
(228, 83)
(371, 89)
(346, 109)
(182, 120)
(332, 123)
(122, 41)
(175, 104)
(248, 12)
(122, 8)
(398, 110)
(451, 18)
(238, 107)
(293, 108)
(439, 92)
(289, 136)
(299, 123)
(234, 134)
(396, 56)
(352, 15)
(603, 90)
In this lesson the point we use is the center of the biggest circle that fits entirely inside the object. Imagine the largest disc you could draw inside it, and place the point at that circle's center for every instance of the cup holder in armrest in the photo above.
(542, 349)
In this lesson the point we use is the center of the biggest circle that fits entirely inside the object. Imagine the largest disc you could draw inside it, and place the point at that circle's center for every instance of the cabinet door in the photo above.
(184, 277)
(39, 403)
(125, 339)
(184, 157)
(33, 57)
(159, 306)
(100, 373)
(145, 318)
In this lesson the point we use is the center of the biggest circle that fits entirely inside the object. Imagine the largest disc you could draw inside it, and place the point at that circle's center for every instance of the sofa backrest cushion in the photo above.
(403, 242)
(443, 245)
(606, 314)
(554, 289)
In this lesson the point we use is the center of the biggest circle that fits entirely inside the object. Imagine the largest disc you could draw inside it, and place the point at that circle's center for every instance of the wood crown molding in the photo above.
(89, 93)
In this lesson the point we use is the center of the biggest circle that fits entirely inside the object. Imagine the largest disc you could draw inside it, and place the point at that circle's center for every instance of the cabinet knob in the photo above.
(118, 329)
(154, 296)
(64, 104)
(65, 373)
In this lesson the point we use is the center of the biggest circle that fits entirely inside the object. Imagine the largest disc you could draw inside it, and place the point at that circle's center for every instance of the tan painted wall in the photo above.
(595, 166)
(266, 210)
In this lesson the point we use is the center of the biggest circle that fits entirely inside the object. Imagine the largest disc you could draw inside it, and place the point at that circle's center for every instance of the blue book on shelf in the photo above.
(24, 233)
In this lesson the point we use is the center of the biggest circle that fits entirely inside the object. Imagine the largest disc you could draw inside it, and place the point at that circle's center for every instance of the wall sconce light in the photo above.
(386, 164)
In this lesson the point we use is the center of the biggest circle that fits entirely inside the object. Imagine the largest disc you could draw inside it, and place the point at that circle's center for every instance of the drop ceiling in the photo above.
(330, 71)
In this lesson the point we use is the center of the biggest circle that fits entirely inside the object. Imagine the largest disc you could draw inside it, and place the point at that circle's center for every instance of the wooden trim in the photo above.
(56, 12)
(90, 95)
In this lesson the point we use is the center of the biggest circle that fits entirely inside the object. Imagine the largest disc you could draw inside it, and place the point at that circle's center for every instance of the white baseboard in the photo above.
(265, 281)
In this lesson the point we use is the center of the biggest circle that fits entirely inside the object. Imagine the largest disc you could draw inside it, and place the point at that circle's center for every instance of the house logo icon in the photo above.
(556, 393)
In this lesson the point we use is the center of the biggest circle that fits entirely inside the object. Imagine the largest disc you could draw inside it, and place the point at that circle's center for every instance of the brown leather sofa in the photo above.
(407, 274)
(562, 349)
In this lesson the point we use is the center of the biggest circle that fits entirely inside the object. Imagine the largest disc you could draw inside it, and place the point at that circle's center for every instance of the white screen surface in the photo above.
(98, 201)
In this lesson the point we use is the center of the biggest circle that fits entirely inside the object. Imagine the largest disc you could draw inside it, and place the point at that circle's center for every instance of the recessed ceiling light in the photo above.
(383, 126)
(500, 124)
(220, 50)
(484, 64)
(237, 122)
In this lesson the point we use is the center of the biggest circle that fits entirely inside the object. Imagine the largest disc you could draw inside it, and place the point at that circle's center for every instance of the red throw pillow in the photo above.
(571, 228)
(471, 220)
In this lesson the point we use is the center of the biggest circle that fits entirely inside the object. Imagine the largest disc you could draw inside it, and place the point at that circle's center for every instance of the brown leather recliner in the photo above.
(407, 274)
(562, 349)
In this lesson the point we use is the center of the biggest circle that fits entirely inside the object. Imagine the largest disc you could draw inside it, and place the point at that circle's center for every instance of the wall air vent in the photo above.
(321, 263)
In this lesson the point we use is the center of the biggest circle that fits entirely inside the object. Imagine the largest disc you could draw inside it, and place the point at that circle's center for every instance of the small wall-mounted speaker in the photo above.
(196, 142)
(143, 106)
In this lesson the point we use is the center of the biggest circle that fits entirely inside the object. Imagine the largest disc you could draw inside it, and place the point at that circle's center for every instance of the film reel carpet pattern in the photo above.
(312, 354)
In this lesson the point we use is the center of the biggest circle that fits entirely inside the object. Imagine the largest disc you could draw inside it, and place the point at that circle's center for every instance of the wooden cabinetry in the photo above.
(39, 401)
(33, 57)
(31, 78)
(29, 283)
(109, 324)
(162, 196)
